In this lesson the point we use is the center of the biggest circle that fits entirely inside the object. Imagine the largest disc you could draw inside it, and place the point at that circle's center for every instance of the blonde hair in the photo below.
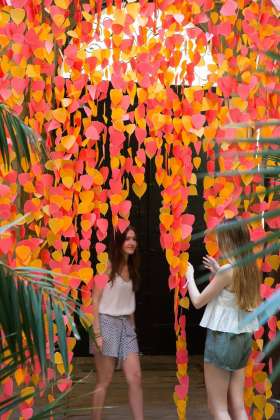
(234, 240)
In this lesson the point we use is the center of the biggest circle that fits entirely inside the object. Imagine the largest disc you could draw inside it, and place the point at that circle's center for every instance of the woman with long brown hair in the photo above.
(233, 292)
(113, 324)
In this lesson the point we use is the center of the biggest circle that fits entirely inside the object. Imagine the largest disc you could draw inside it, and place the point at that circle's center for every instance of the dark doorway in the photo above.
(154, 314)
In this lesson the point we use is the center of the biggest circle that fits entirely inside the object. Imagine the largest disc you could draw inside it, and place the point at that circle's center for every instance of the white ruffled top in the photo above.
(118, 298)
(223, 314)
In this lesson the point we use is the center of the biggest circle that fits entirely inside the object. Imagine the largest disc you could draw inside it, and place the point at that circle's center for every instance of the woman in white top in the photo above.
(113, 324)
(232, 293)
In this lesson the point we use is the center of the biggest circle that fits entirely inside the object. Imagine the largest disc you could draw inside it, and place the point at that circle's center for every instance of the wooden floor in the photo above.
(159, 378)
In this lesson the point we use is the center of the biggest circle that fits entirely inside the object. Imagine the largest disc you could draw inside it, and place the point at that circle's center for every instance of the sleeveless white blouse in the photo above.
(118, 298)
(223, 314)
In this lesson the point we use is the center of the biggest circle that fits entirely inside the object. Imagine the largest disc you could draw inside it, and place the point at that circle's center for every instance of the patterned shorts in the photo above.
(119, 336)
(226, 350)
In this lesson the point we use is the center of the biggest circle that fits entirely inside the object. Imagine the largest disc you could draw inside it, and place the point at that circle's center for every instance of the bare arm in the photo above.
(96, 297)
(132, 319)
(97, 294)
(221, 280)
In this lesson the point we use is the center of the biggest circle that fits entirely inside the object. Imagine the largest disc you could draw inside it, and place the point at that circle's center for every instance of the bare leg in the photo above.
(104, 372)
(217, 384)
(236, 396)
(132, 371)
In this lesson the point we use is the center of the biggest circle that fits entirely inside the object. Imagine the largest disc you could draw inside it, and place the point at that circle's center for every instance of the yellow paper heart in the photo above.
(68, 141)
(103, 257)
(269, 410)
(103, 207)
(211, 247)
(85, 208)
(57, 255)
(116, 96)
(58, 19)
(86, 225)
(184, 302)
(60, 114)
(85, 255)
(86, 274)
(56, 225)
(274, 261)
(193, 190)
(166, 219)
(63, 4)
(247, 179)
(259, 401)
(139, 190)
(19, 376)
(196, 162)
(68, 181)
(17, 15)
(23, 252)
(101, 268)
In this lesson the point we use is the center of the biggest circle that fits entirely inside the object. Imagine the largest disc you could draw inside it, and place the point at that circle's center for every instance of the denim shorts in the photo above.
(226, 350)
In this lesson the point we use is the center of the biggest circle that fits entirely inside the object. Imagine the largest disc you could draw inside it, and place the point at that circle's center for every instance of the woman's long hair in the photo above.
(118, 261)
(234, 241)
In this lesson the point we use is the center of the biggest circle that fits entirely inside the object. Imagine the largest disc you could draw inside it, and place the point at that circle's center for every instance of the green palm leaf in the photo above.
(30, 301)
(22, 137)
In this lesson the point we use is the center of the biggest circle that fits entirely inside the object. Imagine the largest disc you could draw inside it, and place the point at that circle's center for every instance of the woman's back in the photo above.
(223, 314)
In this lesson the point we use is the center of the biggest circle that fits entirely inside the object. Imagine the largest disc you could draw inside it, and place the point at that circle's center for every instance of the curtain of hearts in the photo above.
(56, 60)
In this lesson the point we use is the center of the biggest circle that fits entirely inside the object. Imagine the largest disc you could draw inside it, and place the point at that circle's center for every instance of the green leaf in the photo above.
(61, 335)
(38, 332)
(275, 56)
(265, 310)
(271, 345)
(3, 141)
(22, 137)
(272, 171)
(50, 327)
(12, 224)
(275, 373)
(13, 402)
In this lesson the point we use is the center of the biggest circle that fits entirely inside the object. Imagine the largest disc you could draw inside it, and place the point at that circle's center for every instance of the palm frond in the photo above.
(22, 137)
(30, 301)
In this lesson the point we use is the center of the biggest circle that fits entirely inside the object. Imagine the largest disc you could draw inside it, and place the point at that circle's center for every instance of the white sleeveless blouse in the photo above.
(223, 314)
(118, 298)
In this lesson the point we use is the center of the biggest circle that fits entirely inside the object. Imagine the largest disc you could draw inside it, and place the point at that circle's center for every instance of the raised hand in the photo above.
(211, 264)
(189, 274)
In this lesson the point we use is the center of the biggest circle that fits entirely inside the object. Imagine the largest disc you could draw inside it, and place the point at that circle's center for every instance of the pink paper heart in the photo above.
(27, 413)
(86, 181)
(198, 120)
(229, 8)
(85, 244)
(100, 247)
(181, 391)
(100, 280)
(102, 225)
(122, 224)
(92, 133)
(64, 384)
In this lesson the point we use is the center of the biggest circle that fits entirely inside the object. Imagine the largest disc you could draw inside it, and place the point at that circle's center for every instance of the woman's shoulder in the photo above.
(225, 269)
(225, 273)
